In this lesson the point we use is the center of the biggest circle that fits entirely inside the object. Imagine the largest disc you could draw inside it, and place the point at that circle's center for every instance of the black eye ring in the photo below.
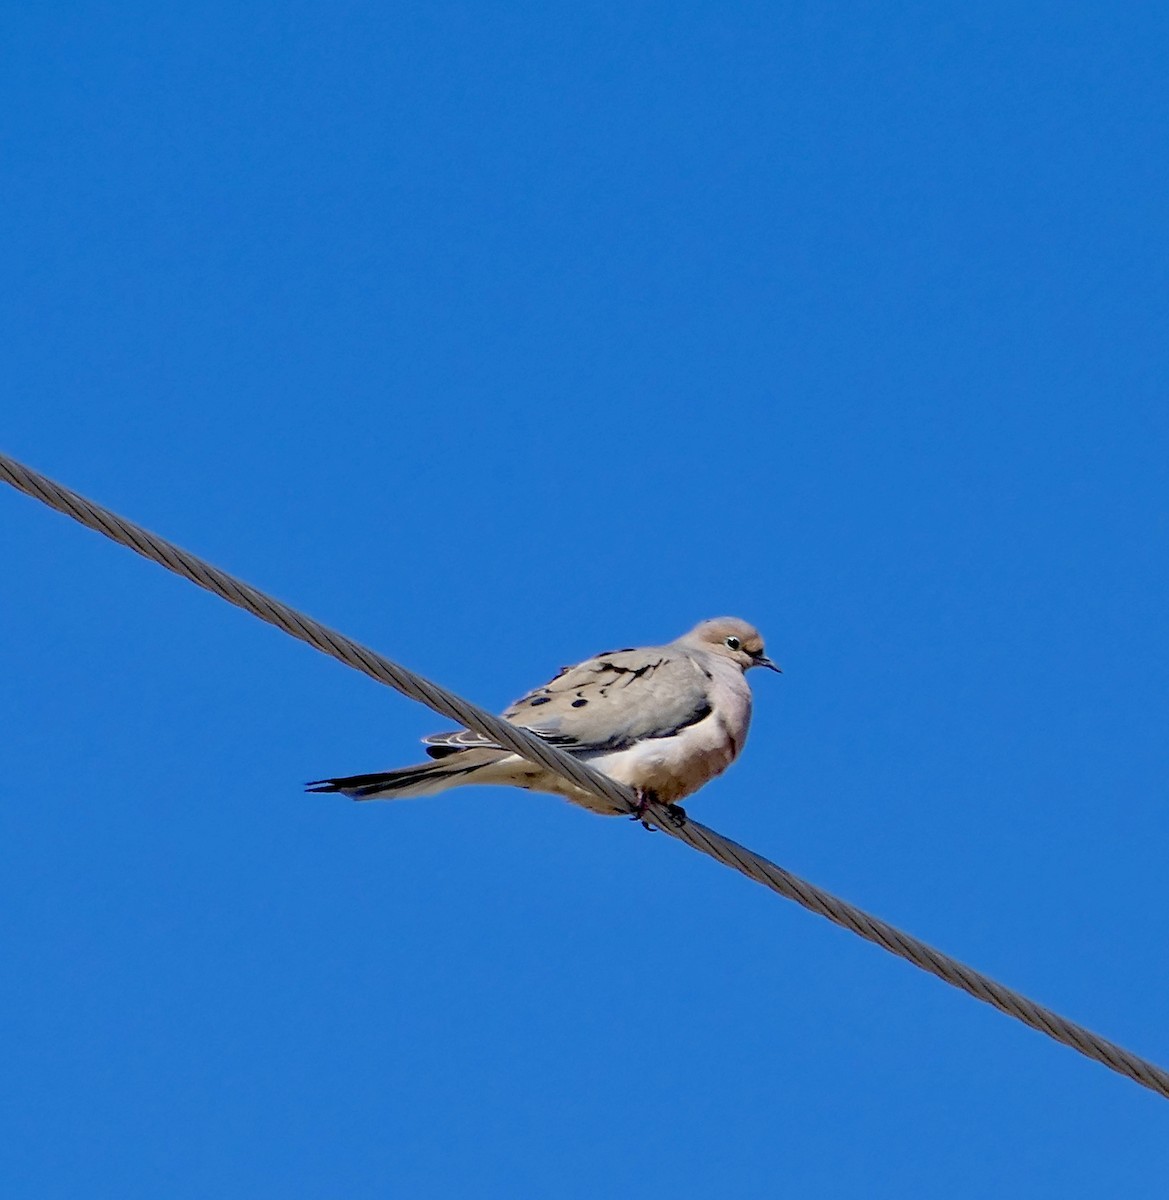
(733, 642)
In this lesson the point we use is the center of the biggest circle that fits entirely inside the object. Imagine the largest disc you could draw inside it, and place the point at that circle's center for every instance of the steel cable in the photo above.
(521, 742)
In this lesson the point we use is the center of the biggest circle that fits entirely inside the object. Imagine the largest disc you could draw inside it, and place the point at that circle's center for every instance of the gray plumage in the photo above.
(662, 719)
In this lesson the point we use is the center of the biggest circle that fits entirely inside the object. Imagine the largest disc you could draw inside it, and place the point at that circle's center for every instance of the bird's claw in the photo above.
(675, 812)
(644, 799)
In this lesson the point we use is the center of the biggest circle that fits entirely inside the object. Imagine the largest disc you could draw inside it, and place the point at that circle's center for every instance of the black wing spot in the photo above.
(640, 671)
(540, 700)
(554, 739)
(579, 703)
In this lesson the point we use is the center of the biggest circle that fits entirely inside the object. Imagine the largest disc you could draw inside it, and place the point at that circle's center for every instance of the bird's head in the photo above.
(733, 639)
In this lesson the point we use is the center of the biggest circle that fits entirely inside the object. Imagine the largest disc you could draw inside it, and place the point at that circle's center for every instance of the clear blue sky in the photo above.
(496, 335)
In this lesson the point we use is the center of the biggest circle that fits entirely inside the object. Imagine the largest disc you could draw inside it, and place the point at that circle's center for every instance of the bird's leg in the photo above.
(645, 798)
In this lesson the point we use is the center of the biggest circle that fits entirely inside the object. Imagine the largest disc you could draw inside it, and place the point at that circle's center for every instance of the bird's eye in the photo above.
(733, 642)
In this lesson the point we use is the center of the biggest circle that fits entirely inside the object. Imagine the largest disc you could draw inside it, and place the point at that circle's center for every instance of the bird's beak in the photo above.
(761, 660)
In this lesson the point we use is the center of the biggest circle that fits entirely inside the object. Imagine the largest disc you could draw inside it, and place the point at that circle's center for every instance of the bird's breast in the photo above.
(674, 767)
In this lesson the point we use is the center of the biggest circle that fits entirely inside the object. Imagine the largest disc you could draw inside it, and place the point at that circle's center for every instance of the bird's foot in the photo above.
(645, 798)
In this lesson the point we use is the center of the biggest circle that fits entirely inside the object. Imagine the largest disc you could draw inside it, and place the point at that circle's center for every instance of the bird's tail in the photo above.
(425, 779)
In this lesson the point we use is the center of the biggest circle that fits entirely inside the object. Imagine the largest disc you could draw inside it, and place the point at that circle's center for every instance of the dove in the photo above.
(663, 720)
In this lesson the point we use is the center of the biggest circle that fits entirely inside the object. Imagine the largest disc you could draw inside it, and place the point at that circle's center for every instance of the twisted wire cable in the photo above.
(528, 746)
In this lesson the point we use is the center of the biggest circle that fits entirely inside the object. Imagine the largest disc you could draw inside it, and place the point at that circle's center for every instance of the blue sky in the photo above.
(499, 335)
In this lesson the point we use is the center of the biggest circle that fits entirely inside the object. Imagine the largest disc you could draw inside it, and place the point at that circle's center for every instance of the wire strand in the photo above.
(527, 745)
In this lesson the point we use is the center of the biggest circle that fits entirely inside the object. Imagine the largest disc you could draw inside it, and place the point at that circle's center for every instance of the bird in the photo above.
(663, 720)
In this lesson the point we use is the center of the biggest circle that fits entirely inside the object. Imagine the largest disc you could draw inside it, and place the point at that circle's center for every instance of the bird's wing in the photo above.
(606, 703)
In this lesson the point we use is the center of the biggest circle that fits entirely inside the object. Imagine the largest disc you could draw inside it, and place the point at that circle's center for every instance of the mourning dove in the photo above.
(662, 719)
